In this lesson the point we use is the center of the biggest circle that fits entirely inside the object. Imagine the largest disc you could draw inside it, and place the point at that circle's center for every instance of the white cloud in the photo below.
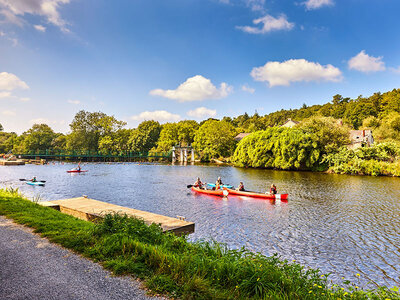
(157, 115)
(269, 23)
(8, 113)
(13, 11)
(202, 112)
(40, 28)
(76, 102)
(395, 70)
(196, 88)
(256, 5)
(248, 89)
(9, 82)
(364, 63)
(315, 4)
(25, 99)
(293, 70)
(4, 95)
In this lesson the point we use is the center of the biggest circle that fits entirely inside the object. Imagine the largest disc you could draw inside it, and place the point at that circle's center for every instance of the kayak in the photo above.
(224, 185)
(77, 171)
(258, 195)
(35, 183)
(220, 193)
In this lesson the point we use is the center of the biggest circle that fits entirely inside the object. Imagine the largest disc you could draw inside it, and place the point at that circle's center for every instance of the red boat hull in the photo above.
(219, 193)
(77, 171)
(258, 195)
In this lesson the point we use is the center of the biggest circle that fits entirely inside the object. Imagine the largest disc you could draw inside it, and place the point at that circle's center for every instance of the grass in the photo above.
(173, 266)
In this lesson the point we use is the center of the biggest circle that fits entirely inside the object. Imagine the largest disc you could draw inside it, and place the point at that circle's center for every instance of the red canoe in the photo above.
(257, 195)
(76, 171)
(210, 192)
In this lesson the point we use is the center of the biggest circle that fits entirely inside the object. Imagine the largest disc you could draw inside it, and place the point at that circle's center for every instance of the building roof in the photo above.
(241, 136)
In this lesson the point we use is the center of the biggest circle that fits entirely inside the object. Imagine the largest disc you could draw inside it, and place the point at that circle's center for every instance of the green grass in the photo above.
(173, 266)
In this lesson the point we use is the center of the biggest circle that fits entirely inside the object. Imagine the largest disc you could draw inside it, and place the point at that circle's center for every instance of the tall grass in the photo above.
(174, 266)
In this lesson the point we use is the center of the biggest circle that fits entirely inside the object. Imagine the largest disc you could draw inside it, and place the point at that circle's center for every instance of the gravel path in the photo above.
(33, 268)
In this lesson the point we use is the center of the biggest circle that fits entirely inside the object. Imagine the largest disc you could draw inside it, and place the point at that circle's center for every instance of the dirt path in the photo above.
(33, 268)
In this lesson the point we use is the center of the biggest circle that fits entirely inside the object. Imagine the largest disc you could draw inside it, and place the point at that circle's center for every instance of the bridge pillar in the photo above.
(185, 155)
(181, 156)
(192, 158)
(173, 155)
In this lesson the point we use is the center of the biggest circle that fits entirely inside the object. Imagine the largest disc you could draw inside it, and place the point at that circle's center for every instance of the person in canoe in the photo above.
(78, 168)
(272, 190)
(198, 183)
(218, 183)
(33, 179)
(240, 187)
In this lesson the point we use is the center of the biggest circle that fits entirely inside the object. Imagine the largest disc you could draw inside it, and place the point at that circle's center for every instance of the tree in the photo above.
(1, 127)
(181, 133)
(145, 137)
(7, 141)
(327, 131)
(279, 148)
(87, 128)
(215, 139)
(39, 137)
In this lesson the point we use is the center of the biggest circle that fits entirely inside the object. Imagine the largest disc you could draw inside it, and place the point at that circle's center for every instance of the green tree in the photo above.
(39, 137)
(327, 131)
(215, 139)
(145, 137)
(279, 148)
(181, 133)
(7, 141)
(88, 127)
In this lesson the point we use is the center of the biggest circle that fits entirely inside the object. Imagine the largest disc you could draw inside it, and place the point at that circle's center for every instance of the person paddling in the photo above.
(198, 183)
(273, 190)
(33, 179)
(240, 187)
(78, 168)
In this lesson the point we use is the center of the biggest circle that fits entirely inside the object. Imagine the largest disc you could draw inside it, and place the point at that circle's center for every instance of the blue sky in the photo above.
(189, 59)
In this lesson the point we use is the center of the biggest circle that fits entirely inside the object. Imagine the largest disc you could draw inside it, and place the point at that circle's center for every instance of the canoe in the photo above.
(224, 185)
(35, 183)
(258, 195)
(77, 171)
(220, 193)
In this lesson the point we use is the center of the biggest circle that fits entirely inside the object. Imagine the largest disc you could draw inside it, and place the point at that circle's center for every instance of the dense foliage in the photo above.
(381, 159)
(174, 266)
(215, 139)
(323, 130)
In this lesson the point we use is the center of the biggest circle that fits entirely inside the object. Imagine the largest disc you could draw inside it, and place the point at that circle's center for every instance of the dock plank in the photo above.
(90, 209)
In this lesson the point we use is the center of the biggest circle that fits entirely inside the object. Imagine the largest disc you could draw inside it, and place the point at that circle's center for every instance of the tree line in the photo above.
(310, 145)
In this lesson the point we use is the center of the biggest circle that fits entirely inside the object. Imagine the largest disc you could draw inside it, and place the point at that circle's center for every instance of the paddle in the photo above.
(191, 185)
(21, 179)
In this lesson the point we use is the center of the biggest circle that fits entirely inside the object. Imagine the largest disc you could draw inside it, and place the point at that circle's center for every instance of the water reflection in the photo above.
(341, 224)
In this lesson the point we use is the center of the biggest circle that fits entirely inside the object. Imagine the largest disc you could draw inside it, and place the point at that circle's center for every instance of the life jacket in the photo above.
(272, 191)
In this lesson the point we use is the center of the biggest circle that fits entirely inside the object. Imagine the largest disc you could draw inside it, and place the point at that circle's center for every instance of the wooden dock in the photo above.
(11, 162)
(89, 210)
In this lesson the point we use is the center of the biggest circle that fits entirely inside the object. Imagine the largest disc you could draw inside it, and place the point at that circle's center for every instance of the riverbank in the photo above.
(173, 266)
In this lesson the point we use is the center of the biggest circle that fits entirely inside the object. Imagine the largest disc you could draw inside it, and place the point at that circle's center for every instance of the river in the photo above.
(343, 225)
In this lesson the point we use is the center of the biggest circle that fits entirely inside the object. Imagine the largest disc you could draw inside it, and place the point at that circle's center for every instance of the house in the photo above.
(240, 136)
(290, 123)
(360, 138)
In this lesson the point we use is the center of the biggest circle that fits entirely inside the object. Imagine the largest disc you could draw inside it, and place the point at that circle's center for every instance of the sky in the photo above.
(172, 60)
